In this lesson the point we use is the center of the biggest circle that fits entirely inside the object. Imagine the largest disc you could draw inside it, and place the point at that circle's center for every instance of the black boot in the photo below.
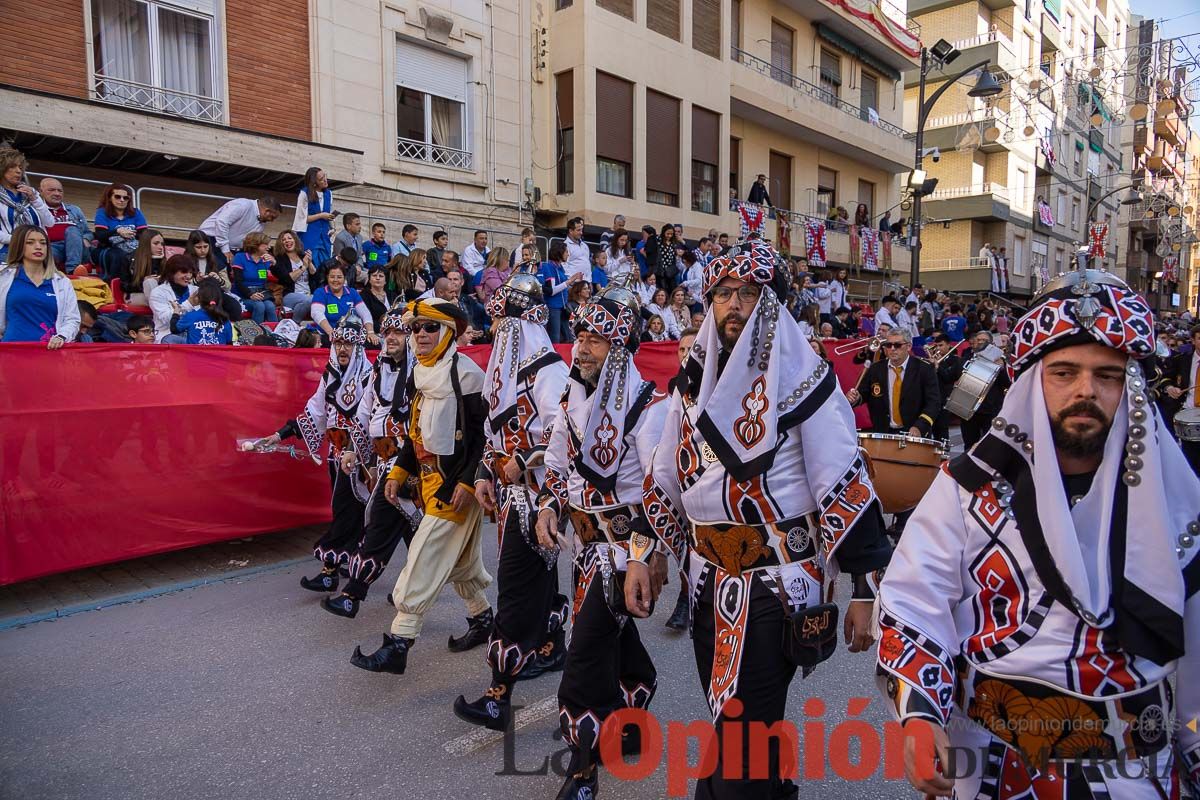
(479, 628)
(343, 605)
(326, 581)
(492, 711)
(551, 657)
(679, 617)
(391, 657)
(577, 787)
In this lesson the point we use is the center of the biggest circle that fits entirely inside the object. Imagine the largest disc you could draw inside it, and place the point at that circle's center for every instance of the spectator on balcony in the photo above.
(898, 227)
(20, 203)
(117, 225)
(495, 273)
(144, 270)
(758, 192)
(70, 238)
(474, 258)
(171, 298)
(229, 225)
(885, 222)
(377, 297)
(207, 323)
(250, 273)
(37, 301)
(314, 213)
(556, 282)
(666, 269)
(659, 305)
(862, 216)
(350, 238)
(527, 239)
(376, 251)
(408, 240)
(435, 255)
(618, 227)
(335, 300)
(295, 273)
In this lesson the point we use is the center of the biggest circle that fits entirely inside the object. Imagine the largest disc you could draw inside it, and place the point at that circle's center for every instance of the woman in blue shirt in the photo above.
(208, 324)
(37, 302)
(555, 284)
(249, 273)
(117, 226)
(314, 213)
(335, 300)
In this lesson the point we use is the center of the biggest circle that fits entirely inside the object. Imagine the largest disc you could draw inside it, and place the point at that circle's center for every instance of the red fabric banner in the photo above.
(110, 452)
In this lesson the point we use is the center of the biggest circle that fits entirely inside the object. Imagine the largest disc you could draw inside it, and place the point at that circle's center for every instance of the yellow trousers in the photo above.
(441, 551)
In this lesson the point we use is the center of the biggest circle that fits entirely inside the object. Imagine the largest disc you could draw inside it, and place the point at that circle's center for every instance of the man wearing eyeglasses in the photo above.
(759, 477)
(902, 391)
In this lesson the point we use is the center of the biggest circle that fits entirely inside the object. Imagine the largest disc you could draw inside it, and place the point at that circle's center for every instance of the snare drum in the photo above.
(977, 378)
(1187, 424)
(903, 467)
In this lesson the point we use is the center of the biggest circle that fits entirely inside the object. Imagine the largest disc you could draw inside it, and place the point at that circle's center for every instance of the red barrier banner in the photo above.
(110, 452)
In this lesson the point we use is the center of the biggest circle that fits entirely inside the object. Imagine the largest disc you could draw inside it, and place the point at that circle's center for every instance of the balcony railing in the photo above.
(414, 150)
(943, 264)
(993, 189)
(816, 92)
(143, 96)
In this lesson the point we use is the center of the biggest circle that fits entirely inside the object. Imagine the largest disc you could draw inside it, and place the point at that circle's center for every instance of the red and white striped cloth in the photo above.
(1097, 234)
(869, 237)
(814, 242)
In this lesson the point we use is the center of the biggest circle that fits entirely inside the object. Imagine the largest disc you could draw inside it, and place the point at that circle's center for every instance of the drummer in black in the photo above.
(974, 428)
(1183, 392)
(949, 366)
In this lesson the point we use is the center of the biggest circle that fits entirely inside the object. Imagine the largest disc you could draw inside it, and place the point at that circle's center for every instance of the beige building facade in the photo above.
(665, 112)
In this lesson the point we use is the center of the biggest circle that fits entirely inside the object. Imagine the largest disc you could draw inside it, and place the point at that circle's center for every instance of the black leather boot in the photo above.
(326, 581)
(391, 657)
(479, 628)
(343, 605)
(679, 617)
(577, 787)
(551, 657)
(492, 711)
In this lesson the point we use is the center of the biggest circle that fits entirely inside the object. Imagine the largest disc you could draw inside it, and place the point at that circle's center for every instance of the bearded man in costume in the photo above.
(1047, 589)
(443, 449)
(759, 476)
(382, 413)
(332, 412)
(523, 386)
(599, 449)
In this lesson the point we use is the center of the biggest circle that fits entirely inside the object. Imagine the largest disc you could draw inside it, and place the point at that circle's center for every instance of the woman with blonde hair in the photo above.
(405, 274)
(296, 273)
(37, 301)
(495, 272)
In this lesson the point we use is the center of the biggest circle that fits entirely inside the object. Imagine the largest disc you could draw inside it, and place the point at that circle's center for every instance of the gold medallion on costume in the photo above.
(876, 390)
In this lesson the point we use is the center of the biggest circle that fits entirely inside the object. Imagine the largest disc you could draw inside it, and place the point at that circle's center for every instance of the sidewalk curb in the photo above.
(146, 594)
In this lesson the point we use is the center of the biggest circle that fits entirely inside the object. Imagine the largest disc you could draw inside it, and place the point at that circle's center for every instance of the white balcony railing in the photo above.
(413, 150)
(993, 189)
(942, 264)
(157, 99)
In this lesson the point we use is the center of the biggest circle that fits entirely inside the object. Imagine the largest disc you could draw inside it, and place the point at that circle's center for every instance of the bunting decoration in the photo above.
(1170, 269)
(1097, 234)
(753, 218)
(814, 242)
(870, 256)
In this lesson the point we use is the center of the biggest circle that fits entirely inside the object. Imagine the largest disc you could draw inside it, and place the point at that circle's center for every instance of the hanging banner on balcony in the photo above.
(753, 218)
(1170, 269)
(1045, 214)
(869, 237)
(895, 32)
(783, 234)
(1047, 144)
(814, 242)
(1097, 234)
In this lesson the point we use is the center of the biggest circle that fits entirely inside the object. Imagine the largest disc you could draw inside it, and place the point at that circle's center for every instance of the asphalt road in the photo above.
(244, 689)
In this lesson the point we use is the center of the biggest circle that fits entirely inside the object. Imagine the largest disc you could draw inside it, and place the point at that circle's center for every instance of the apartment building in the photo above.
(1022, 170)
(666, 110)
(417, 112)
(1161, 151)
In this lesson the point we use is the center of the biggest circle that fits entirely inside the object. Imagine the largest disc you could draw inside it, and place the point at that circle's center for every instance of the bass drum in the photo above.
(977, 379)
(1187, 425)
(902, 467)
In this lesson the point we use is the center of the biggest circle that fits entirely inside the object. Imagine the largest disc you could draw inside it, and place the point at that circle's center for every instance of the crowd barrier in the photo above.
(111, 452)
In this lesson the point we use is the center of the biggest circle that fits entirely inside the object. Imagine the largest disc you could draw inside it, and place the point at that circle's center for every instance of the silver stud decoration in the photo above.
(1132, 479)
(998, 423)
(1011, 430)
(1027, 447)
(1135, 448)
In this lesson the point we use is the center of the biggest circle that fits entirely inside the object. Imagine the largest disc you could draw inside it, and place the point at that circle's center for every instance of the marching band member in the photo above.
(949, 369)
(758, 473)
(902, 391)
(523, 384)
(596, 461)
(1184, 392)
(974, 428)
(1048, 592)
(332, 412)
(444, 446)
(382, 414)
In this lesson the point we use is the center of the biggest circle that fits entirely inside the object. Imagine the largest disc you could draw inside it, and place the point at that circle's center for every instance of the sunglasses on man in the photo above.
(427, 327)
(893, 345)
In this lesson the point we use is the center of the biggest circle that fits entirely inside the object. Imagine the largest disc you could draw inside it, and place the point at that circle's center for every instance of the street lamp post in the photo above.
(941, 53)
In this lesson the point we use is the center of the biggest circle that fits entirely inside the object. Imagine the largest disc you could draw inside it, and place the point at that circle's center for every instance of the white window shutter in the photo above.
(431, 71)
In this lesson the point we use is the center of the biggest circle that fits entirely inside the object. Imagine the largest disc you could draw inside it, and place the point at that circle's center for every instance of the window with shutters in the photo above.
(735, 147)
(706, 27)
(564, 95)
(614, 135)
(782, 52)
(706, 138)
(830, 75)
(826, 190)
(780, 180)
(662, 149)
(159, 58)
(431, 106)
(662, 16)
(622, 7)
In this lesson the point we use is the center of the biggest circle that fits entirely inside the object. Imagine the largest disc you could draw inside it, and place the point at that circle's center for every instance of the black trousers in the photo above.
(345, 529)
(762, 688)
(530, 613)
(941, 426)
(607, 667)
(385, 527)
(974, 428)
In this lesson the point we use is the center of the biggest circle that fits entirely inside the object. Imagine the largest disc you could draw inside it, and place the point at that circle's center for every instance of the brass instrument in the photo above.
(871, 342)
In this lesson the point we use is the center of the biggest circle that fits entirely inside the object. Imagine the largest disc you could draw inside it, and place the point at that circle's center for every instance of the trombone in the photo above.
(871, 342)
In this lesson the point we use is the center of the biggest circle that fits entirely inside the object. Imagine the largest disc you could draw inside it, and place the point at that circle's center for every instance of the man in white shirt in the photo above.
(234, 221)
(579, 257)
(693, 278)
(886, 315)
(907, 319)
(475, 257)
